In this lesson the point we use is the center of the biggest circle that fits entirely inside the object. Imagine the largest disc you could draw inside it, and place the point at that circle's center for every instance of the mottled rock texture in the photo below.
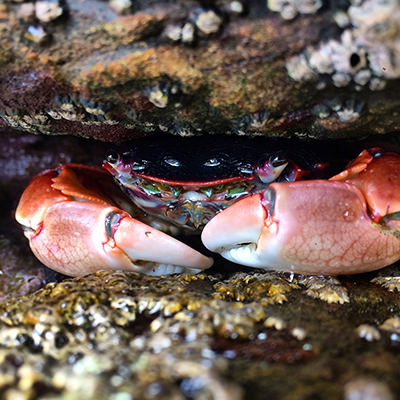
(305, 68)
(242, 336)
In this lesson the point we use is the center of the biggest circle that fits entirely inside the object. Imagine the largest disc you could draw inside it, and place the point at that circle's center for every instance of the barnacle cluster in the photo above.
(366, 54)
(124, 335)
(126, 328)
(66, 108)
(37, 15)
(289, 9)
(200, 22)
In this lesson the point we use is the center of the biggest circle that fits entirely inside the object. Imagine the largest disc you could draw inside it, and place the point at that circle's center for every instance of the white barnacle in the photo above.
(299, 69)
(368, 332)
(208, 22)
(173, 32)
(158, 97)
(47, 11)
(120, 6)
(188, 33)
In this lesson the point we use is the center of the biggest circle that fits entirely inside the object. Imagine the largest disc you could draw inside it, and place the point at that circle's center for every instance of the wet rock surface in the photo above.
(276, 68)
(238, 336)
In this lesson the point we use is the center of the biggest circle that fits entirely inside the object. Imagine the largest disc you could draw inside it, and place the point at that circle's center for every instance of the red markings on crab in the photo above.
(377, 175)
(299, 173)
(355, 167)
(380, 185)
(85, 183)
(36, 199)
(196, 184)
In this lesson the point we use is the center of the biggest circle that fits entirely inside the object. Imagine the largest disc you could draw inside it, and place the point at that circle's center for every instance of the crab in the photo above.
(268, 213)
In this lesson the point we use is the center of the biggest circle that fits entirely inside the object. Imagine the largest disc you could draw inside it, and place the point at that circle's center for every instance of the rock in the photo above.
(115, 334)
(237, 67)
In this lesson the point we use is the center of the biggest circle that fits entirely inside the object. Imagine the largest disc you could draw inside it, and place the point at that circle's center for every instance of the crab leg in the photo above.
(73, 226)
(316, 227)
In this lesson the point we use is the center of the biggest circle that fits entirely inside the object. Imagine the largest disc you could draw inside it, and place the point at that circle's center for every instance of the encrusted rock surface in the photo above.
(121, 69)
(115, 335)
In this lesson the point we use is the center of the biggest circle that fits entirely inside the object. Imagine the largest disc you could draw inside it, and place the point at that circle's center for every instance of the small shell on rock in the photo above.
(290, 8)
(321, 111)
(362, 77)
(158, 96)
(26, 11)
(349, 111)
(391, 283)
(391, 325)
(340, 79)
(299, 69)
(377, 84)
(37, 34)
(367, 389)
(47, 11)
(173, 32)
(288, 12)
(308, 6)
(342, 19)
(325, 288)
(275, 322)
(236, 7)
(208, 22)
(188, 33)
(368, 332)
(120, 6)
(298, 333)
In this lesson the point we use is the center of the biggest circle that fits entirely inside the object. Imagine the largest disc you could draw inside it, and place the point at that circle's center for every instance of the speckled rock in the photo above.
(277, 68)
(123, 335)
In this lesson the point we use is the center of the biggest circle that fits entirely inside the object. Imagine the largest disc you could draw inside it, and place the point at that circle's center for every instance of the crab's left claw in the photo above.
(312, 227)
(70, 217)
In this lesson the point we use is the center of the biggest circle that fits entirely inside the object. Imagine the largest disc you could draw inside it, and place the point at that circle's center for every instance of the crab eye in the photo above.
(212, 162)
(112, 157)
(246, 169)
(172, 162)
(278, 160)
(138, 165)
(270, 170)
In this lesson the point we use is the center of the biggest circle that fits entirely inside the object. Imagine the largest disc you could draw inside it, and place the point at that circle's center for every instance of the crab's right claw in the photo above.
(313, 227)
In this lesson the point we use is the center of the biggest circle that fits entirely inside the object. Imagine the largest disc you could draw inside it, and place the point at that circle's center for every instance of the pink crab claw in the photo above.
(74, 223)
(316, 227)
